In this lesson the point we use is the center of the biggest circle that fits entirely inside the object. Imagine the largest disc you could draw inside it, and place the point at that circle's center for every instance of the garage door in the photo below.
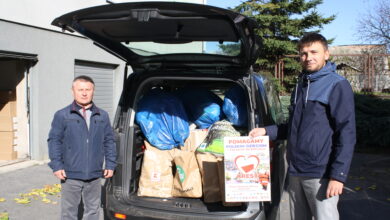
(103, 76)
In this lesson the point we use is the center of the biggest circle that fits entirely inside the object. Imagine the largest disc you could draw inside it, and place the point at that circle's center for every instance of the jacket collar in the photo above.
(76, 108)
(327, 69)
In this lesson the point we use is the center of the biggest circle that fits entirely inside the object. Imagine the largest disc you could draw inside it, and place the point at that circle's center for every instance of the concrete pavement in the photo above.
(366, 193)
(22, 178)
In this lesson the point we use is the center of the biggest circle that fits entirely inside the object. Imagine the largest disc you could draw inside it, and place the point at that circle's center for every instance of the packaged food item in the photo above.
(214, 140)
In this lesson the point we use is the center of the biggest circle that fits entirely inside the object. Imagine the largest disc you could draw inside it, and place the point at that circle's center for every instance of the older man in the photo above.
(80, 142)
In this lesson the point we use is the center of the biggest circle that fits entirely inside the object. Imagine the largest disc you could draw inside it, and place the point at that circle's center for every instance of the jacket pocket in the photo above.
(307, 147)
(72, 158)
(72, 128)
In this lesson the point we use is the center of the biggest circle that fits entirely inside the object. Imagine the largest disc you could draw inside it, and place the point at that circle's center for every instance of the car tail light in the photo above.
(120, 216)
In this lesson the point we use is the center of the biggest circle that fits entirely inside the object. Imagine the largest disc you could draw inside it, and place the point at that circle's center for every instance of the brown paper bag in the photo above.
(209, 169)
(156, 173)
(195, 138)
(187, 181)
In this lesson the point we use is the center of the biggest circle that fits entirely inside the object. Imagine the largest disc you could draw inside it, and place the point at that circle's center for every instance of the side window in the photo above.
(268, 95)
(274, 102)
(263, 115)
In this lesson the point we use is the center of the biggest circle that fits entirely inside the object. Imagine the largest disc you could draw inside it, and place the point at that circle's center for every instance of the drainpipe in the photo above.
(27, 104)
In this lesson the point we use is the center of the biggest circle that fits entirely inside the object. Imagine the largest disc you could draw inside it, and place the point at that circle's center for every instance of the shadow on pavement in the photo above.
(367, 192)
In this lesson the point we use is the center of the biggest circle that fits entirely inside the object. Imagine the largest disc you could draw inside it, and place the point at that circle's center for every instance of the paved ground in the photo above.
(366, 194)
(24, 180)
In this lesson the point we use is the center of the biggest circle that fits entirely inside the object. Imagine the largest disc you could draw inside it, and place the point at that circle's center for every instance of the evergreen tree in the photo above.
(281, 24)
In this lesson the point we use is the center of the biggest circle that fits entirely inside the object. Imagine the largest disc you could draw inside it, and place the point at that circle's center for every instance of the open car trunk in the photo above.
(130, 165)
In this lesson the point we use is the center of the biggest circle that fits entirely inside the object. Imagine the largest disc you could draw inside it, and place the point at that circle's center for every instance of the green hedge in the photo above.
(372, 121)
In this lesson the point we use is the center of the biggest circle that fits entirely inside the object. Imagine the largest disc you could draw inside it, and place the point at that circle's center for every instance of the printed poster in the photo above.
(247, 169)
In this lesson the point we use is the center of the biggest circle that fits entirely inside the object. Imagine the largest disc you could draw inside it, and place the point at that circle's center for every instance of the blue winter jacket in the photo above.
(321, 131)
(78, 150)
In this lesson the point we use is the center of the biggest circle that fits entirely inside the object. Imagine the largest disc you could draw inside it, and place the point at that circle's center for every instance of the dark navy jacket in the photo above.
(321, 131)
(78, 150)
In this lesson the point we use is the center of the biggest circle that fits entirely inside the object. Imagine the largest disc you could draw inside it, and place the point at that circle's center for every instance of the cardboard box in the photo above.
(7, 146)
(6, 139)
(8, 156)
(7, 96)
(6, 123)
(8, 109)
(7, 149)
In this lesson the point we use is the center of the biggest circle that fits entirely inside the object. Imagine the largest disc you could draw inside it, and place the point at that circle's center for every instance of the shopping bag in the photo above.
(210, 181)
(156, 173)
(187, 181)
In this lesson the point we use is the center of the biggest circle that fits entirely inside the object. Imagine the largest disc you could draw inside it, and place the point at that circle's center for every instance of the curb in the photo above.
(21, 165)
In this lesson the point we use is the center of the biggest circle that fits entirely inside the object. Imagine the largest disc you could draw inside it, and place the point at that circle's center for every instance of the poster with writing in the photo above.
(247, 169)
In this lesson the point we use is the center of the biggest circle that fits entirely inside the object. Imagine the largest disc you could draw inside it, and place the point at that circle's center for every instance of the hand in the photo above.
(335, 188)
(60, 174)
(257, 132)
(108, 173)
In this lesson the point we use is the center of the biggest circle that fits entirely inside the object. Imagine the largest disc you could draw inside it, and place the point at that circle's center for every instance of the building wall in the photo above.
(51, 77)
(41, 13)
(26, 28)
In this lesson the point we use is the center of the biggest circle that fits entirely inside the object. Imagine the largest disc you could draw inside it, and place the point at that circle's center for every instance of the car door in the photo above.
(122, 29)
(268, 112)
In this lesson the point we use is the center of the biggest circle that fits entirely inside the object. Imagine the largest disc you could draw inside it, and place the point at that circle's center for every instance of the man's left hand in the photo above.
(108, 173)
(335, 188)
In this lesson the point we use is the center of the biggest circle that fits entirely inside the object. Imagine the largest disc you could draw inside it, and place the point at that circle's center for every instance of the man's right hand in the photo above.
(60, 174)
(257, 132)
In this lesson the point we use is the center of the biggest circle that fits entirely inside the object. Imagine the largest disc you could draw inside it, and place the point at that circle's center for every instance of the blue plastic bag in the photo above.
(162, 119)
(235, 106)
(203, 107)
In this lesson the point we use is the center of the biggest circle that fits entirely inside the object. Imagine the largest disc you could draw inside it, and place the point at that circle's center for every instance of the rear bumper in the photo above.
(112, 206)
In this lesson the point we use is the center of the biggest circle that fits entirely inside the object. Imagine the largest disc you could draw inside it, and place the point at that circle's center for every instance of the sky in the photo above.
(342, 29)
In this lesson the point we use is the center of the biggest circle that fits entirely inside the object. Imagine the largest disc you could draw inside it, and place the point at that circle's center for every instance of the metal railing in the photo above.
(366, 72)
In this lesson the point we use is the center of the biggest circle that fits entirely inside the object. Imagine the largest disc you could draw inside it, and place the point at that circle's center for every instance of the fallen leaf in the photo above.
(34, 193)
(388, 199)
(358, 188)
(372, 187)
(2, 199)
(4, 216)
(22, 200)
(46, 200)
(41, 194)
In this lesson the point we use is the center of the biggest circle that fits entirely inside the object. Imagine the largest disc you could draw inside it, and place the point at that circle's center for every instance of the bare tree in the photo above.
(374, 25)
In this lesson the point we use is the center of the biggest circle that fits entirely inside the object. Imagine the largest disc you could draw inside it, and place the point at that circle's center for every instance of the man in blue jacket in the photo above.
(80, 141)
(321, 134)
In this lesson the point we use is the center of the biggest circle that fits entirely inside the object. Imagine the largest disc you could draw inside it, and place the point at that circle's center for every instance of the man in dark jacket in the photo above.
(80, 141)
(321, 134)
